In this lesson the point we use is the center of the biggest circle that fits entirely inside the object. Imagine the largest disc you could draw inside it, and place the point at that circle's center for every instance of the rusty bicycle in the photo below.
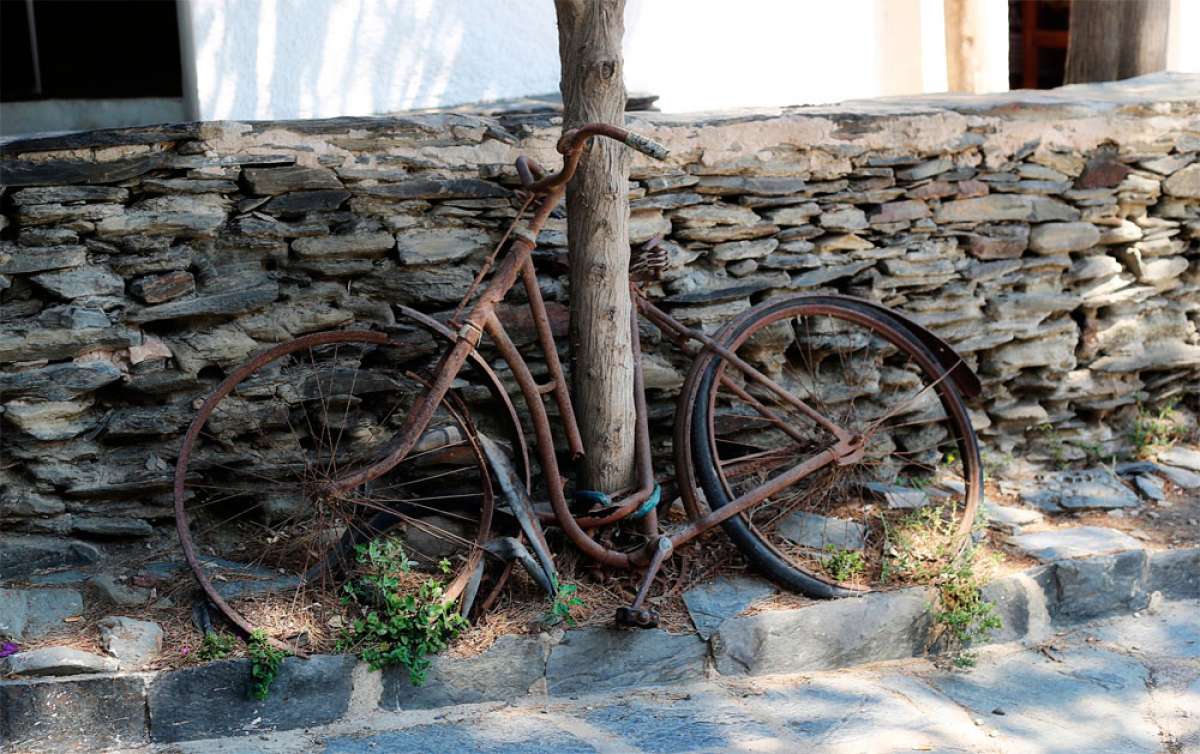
(809, 427)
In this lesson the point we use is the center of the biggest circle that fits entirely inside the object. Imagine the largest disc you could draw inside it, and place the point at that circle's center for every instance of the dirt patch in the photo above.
(522, 608)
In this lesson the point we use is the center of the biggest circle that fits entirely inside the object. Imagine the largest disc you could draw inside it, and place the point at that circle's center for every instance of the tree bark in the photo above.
(1112, 40)
(593, 89)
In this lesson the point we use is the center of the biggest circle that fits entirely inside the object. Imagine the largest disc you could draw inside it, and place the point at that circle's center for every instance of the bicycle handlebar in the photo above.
(577, 137)
(571, 147)
(646, 146)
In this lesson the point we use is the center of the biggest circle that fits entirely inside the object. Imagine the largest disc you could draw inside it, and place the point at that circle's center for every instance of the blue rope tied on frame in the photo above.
(650, 504)
(596, 499)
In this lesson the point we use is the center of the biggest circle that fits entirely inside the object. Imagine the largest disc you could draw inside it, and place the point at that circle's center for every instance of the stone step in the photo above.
(212, 700)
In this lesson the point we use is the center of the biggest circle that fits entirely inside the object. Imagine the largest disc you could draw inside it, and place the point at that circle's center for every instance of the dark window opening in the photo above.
(1037, 46)
(89, 49)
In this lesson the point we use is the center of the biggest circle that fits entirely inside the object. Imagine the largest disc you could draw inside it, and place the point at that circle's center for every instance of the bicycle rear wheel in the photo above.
(265, 539)
(901, 512)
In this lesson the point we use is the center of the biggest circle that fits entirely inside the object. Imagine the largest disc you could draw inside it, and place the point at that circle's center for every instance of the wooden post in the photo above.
(1112, 40)
(976, 46)
(593, 89)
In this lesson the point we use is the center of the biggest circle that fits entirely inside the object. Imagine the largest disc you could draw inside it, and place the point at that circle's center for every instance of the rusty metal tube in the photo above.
(757, 495)
(665, 321)
(562, 391)
(545, 445)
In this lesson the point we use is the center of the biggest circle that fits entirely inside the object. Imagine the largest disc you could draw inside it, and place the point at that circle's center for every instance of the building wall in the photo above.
(278, 59)
(1183, 54)
(262, 59)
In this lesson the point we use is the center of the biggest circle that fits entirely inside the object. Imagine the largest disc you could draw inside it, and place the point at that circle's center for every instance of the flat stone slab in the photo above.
(1091, 489)
(1074, 542)
(1084, 700)
(80, 714)
(1150, 487)
(1175, 573)
(890, 712)
(1020, 603)
(30, 613)
(702, 722)
(214, 699)
(1181, 457)
(21, 555)
(59, 578)
(512, 734)
(1087, 588)
(119, 593)
(815, 531)
(232, 590)
(56, 661)
(899, 497)
(839, 633)
(1171, 630)
(507, 671)
(597, 659)
(132, 642)
(710, 604)
(1010, 517)
(1188, 480)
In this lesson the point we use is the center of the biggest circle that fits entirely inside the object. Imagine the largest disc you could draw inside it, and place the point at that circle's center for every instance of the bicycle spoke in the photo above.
(261, 471)
(859, 378)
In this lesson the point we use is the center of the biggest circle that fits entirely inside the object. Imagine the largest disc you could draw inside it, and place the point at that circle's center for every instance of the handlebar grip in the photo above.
(647, 146)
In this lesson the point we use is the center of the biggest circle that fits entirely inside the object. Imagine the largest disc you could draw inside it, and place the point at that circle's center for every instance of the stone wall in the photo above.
(1051, 237)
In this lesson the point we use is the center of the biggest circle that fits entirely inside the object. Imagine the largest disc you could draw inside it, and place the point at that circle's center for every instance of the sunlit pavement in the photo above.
(1125, 685)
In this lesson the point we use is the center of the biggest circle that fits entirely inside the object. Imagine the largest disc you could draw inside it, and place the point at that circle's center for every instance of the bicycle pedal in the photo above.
(637, 618)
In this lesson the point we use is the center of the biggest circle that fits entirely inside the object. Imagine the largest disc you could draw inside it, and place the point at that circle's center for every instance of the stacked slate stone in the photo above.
(138, 267)
(1070, 281)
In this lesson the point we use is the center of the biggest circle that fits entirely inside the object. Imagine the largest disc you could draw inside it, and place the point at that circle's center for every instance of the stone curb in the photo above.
(211, 701)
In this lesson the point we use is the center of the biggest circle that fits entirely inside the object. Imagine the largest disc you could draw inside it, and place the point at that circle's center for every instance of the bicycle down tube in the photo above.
(451, 363)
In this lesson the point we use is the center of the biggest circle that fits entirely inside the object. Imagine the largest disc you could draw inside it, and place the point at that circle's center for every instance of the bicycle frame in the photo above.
(517, 264)
(716, 368)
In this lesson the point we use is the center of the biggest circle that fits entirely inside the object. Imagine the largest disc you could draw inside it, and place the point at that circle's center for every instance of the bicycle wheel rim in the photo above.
(367, 517)
(810, 574)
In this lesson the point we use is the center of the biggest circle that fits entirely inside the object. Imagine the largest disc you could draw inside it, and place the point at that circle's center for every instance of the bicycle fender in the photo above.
(521, 508)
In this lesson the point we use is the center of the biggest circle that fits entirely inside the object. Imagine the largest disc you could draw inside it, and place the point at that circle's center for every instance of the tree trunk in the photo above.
(593, 89)
(1112, 40)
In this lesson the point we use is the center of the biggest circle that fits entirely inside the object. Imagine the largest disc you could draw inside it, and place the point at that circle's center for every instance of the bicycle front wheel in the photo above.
(266, 539)
(901, 512)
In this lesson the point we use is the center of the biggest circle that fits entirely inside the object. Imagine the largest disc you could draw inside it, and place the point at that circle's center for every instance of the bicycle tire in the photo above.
(291, 416)
(704, 459)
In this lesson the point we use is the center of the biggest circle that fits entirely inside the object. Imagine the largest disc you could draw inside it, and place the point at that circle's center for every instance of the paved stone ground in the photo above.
(1125, 686)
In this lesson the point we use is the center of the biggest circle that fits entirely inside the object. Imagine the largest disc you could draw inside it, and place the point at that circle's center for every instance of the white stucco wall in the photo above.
(1183, 53)
(316, 58)
(711, 54)
(279, 59)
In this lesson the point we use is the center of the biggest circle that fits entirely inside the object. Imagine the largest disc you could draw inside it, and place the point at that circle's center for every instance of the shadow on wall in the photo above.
(280, 59)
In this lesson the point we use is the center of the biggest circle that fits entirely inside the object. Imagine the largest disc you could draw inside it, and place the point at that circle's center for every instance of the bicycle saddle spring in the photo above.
(648, 260)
